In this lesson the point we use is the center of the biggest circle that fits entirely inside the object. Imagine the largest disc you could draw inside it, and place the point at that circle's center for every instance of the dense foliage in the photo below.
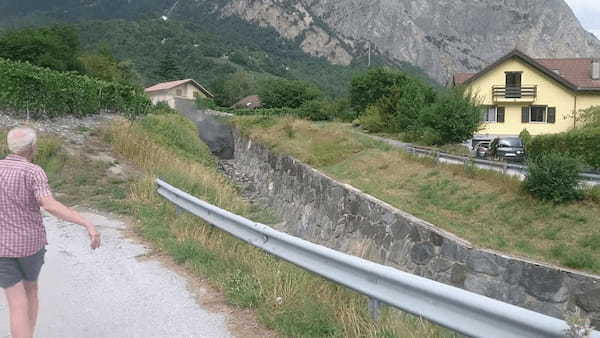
(368, 87)
(553, 177)
(55, 47)
(44, 92)
(393, 102)
(281, 93)
(581, 143)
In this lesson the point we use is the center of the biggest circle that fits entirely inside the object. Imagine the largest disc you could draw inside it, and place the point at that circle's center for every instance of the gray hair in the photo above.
(21, 140)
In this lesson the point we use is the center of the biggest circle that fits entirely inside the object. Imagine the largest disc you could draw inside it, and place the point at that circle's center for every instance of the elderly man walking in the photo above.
(23, 190)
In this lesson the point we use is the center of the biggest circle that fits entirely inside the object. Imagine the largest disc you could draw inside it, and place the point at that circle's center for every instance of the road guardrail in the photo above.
(591, 177)
(457, 309)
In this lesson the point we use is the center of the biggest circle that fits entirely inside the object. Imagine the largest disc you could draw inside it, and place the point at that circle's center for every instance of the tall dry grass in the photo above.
(286, 298)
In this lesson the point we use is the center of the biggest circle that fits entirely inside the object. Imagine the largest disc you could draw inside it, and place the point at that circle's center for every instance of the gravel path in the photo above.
(114, 291)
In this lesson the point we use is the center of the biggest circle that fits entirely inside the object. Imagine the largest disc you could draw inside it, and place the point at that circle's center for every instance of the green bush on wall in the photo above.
(578, 143)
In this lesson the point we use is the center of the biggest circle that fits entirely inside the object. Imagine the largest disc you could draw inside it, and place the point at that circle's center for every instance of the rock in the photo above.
(435, 35)
(458, 275)
(422, 253)
(589, 301)
(541, 282)
(482, 262)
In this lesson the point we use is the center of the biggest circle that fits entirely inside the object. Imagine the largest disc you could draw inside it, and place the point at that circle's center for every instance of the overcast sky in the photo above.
(588, 12)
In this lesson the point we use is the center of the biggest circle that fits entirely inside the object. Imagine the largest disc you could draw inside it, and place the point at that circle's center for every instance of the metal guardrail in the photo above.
(459, 310)
(503, 166)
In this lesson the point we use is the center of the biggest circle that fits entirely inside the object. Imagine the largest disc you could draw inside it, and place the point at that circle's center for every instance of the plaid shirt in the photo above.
(22, 186)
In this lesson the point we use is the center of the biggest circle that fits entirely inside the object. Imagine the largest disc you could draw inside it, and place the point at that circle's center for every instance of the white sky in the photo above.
(588, 12)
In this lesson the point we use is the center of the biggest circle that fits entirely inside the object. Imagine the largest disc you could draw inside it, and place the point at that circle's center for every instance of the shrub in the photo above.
(525, 137)
(590, 117)
(280, 93)
(578, 143)
(316, 110)
(372, 119)
(205, 103)
(553, 177)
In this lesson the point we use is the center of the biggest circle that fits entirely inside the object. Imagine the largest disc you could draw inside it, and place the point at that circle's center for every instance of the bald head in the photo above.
(21, 141)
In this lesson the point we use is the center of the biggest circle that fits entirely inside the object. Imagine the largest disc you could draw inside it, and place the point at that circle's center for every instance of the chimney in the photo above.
(596, 69)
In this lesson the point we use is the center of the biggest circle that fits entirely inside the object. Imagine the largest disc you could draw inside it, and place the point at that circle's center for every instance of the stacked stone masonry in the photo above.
(319, 209)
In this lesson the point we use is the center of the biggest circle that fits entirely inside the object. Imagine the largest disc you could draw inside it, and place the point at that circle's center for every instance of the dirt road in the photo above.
(114, 291)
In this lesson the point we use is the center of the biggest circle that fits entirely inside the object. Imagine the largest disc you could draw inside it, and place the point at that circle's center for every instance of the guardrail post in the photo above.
(504, 167)
(374, 309)
(178, 210)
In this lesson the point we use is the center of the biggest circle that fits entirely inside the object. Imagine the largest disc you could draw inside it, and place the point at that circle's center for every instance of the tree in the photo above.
(233, 88)
(168, 70)
(368, 87)
(280, 93)
(455, 116)
(106, 67)
(55, 47)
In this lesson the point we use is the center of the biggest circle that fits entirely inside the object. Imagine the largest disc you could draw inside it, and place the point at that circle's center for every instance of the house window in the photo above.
(493, 114)
(489, 114)
(538, 114)
(513, 85)
(179, 92)
(196, 95)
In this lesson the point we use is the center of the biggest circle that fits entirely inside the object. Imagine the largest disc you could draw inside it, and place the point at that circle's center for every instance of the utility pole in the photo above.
(369, 65)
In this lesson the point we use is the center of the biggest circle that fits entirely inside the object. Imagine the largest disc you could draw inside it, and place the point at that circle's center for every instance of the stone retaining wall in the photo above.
(322, 210)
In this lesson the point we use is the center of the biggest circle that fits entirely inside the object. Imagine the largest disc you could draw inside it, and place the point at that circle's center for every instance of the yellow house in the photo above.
(540, 95)
(170, 91)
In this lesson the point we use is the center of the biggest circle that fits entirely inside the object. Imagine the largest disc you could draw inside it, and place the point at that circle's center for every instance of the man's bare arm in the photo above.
(61, 211)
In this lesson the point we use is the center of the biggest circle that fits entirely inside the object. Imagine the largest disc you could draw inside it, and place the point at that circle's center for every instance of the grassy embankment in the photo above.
(484, 207)
(293, 302)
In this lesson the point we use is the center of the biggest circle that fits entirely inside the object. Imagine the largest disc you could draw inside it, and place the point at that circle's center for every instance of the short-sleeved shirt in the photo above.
(22, 186)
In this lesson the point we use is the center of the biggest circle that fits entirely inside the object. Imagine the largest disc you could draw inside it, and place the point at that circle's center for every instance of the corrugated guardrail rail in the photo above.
(585, 176)
(462, 311)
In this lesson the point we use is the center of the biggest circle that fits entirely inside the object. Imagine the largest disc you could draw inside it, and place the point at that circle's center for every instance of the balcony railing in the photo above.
(503, 92)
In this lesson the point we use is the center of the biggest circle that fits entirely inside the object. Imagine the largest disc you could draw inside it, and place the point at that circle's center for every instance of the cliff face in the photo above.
(439, 36)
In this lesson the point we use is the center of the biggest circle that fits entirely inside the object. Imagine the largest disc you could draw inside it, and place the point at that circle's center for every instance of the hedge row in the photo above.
(44, 92)
(578, 143)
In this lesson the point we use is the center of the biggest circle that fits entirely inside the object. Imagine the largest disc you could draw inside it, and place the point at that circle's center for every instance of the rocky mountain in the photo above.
(439, 36)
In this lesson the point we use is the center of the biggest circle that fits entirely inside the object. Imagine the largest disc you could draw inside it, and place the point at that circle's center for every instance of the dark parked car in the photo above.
(506, 149)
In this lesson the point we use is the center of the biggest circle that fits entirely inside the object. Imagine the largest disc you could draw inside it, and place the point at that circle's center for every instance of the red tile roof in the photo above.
(173, 84)
(575, 72)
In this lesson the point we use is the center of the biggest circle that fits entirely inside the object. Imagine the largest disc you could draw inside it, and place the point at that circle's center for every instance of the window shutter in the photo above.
(525, 115)
(551, 115)
(500, 117)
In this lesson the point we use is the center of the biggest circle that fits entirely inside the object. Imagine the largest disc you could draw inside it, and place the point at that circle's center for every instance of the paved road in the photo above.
(112, 293)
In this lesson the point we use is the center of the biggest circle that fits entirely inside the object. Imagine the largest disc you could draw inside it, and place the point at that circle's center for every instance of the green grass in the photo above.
(484, 207)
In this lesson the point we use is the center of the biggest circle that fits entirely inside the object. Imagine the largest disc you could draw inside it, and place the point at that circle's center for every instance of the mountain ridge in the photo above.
(441, 37)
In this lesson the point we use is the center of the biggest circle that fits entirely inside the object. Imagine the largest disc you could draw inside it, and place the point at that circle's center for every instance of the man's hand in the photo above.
(59, 210)
(94, 239)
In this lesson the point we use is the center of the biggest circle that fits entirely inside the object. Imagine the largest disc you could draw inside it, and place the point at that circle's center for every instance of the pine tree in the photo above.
(168, 69)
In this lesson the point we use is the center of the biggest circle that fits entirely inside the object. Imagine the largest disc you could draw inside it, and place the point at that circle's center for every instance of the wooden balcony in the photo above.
(514, 94)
